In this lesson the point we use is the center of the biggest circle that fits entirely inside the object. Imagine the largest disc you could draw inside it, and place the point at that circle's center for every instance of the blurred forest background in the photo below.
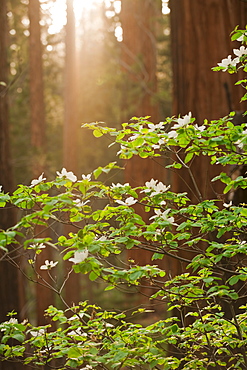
(85, 75)
(65, 63)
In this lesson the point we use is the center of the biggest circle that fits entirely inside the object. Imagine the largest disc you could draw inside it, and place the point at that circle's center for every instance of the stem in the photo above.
(191, 176)
(240, 335)
(207, 338)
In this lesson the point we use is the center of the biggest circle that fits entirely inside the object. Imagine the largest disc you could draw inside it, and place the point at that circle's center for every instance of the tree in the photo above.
(70, 131)
(9, 296)
(139, 20)
(44, 296)
(9, 301)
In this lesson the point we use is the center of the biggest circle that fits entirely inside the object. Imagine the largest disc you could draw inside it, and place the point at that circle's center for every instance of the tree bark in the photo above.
(200, 39)
(38, 139)
(44, 296)
(139, 49)
(70, 135)
(139, 19)
(9, 286)
(71, 125)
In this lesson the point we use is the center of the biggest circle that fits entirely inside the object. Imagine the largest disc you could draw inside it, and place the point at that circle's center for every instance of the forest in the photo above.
(123, 161)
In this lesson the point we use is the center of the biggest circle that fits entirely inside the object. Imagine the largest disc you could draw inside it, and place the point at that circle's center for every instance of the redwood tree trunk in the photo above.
(44, 296)
(9, 296)
(71, 126)
(201, 39)
(8, 274)
(70, 135)
(36, 90)
(139, 20)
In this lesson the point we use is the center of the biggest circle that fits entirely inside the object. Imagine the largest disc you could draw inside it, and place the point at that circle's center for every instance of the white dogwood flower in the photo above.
(79, 256)
(154, 126)
(77, 332)
(161, 188)
(87, 367)
(75, 317)
(227, 205)
(87, 177)
(155, 188)
(48, 265)
(133, 137)
(158, 145)
(37, 246)
(200, 128)
(163, 215)
(240, 52)
(36, 333)
(226, 62)
(172, 134)
(122, 148)
(79, 203)
(118, 185)
(239, 142)
(13, 320)
(128, 201)
(184, 121)
(102, 238)
(68, 174)
(37, 181)
(150, 184)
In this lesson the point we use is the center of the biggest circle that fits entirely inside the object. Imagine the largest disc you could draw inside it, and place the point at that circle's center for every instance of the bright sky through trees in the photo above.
(58, 12)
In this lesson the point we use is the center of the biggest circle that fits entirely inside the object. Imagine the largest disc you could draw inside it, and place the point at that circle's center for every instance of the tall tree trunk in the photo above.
(8, 274)
(44, 296)
(200, 39)
(139, 19)
(139, 49)
(70, 134)
(9, 296)
(71, 107)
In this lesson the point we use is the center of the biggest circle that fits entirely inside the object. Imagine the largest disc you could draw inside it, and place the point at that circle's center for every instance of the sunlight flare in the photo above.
(58, 12)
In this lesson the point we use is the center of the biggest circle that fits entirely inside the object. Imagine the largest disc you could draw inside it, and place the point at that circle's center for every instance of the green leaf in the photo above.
(93, 276)
(20, 337)
(74, 352)
(135, 275)
(97, 132)
(110, 287)
(227, 188)
(234, 279)
(188, 157)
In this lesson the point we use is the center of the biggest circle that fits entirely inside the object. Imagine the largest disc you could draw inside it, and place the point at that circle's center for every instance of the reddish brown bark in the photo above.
(140, 23)
(36, 90)
(44, 296)
(9, 296)
(70, 135)
(71, 124)
(139, 51)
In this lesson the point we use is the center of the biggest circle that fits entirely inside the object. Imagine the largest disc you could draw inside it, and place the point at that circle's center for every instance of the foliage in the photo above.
(206, 321)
